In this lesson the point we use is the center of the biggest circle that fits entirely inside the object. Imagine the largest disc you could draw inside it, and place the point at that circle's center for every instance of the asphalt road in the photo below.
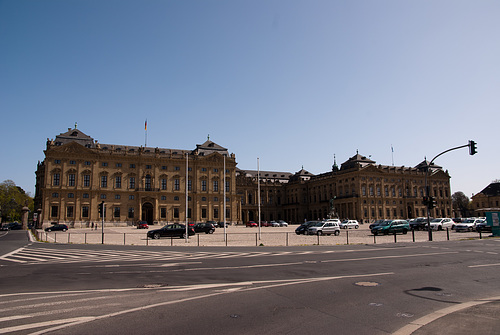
(426, 288)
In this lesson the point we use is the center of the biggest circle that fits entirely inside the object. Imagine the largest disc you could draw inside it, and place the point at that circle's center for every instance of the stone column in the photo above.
(24, 217)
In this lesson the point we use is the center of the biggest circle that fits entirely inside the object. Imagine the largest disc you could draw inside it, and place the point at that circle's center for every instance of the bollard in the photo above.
(124, 239)
(226, 239)
(395, 239)
(256, 242)
(480, 235)
(68, 238)
(198, 237)
(85, 239)
(147, 239)
(347, 235)
(55, 237)
(287, 239)
(374, 239)
(447, 234)
(171, 241)
(413, 234)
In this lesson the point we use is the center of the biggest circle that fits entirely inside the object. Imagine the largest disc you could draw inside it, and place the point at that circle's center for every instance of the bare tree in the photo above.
(460, 203)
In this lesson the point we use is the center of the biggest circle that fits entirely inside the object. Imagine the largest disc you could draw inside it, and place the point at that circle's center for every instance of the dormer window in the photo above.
(75, 133)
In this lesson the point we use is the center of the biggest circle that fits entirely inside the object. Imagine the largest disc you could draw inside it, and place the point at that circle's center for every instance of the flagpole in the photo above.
(187, 170)
(258, 191)
(224, 185)
(146, 133)
(392, 153)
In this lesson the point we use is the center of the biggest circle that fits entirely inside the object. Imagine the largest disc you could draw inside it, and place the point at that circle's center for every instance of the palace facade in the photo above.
(135, 183)
(150, 184)
(360, 189)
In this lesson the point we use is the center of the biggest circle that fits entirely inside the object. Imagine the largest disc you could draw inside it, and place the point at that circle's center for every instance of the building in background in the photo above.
(487, 200)
(135, 183)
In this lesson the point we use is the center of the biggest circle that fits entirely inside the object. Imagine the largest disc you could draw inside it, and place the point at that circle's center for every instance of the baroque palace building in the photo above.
(135, 183)
(149, 184)
(360, 189)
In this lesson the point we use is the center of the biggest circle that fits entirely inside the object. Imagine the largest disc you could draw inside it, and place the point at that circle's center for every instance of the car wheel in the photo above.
(156, 236)
(440, 227)
(64, 230)
(210, 231)
(356, 227)
(405, 231)
(386, 232)
(470, 229)
(337, 233)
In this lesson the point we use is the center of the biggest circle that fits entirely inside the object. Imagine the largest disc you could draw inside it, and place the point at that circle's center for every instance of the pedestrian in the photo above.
(92, 225)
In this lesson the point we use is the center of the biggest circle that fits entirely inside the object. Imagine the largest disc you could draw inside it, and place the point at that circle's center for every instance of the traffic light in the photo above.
(432, 203)
(100, 208)
(425, 201)
(472, 147)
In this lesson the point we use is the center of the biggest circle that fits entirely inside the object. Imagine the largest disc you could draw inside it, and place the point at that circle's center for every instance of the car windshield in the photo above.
(436, 220)
(317, 224)
(385, 223)
(469, 221)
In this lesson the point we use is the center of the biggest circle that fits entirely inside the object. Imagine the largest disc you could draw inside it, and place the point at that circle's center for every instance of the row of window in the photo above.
(56, 181)
(133, 166)
(70, 212)
(131, 197)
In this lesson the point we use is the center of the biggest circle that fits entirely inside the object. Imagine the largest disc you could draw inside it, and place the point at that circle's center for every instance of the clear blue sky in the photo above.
(290, 82)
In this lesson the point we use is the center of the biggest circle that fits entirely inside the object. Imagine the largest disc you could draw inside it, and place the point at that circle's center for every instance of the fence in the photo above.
(237, 238)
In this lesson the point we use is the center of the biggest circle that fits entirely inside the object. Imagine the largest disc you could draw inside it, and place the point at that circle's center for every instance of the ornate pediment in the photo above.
(213, 157)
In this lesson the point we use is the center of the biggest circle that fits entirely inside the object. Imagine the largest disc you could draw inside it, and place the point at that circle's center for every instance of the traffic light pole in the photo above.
(472, 150)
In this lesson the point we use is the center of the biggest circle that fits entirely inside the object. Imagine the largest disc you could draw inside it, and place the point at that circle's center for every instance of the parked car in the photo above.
(274, 224)
(467, 225)
(442, 223)
(282, 223)
(251, 224)
(324, 228)
(348, 224)
(57, 227)
(171, 230)
(207, 228)
(266, 224)
(376, 223)
(12, 226)
(220, 224)
(418, 224)
(302, 229)
(391, 227)
(483, 226)
(142, 225)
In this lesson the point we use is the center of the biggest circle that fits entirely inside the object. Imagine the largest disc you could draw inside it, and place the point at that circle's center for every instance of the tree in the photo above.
(12, 199)
(460, 203)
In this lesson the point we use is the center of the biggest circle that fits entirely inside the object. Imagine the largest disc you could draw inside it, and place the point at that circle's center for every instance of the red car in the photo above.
(142, 225)
(252, 224)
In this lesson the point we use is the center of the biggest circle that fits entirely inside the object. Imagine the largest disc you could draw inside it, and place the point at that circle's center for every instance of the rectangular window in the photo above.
(228, 213)
(203, 213)
(203, 169)
(69, 211)
(72, 162)
(164, 184)
(177, 168)
(177, 185)
(85, 211)
(163, 198)
(132, 166)
(118, 182)
(104, 164)
(117, 196)
(103, 196)
(131, 182)
(71, 179)
(87, 163)
(57, 161)
(86, 180)
(131, 197)
(116, 212)
(163, 213)
(176, 213)
(216, 213)
(85, 195)
(227, 185)
(131, 212)
(118, 165)
(164, 167)
(56, 179)
(55, 195)
(189, 213)
(203, 185)
(71, 195)
(104, 181)
(54, 211)
(148, 167)
(216, 186)
(216, 170)
(189, 185)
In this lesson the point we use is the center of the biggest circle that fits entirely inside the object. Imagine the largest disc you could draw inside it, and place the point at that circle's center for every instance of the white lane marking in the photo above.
(165, 303)
(54, 303)
(4, 257)
(425, 320)
(52, 312)
(391, 256)
(44, 324)
(483, 265)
